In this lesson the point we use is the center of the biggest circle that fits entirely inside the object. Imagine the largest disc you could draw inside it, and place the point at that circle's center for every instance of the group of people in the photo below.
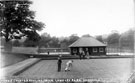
(68, 64)
(83, 55)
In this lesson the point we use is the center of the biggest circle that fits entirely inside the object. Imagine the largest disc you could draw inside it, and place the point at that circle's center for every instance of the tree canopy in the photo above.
(17, 20)
(127, 39)
(113, 38)
(99, 37)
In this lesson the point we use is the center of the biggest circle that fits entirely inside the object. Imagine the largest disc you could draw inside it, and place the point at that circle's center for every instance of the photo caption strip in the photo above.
(58, 80)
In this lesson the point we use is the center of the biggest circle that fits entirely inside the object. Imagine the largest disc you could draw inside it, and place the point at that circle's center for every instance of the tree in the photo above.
(99, 37)
(16, 43)
(86, 35)
(2, 41)
(127, 39)
(64, 43)
(73, 38)
(30, 43)
(17, 20)
(113, 38)
(45, 39)
(54, 43)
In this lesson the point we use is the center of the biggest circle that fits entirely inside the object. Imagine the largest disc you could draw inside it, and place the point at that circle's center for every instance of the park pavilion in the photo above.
(89, 45)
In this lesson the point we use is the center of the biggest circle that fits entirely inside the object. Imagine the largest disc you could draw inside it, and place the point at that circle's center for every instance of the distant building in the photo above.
(89, 45)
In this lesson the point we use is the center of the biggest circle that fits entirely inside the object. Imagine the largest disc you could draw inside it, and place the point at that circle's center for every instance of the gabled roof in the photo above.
(87, 42)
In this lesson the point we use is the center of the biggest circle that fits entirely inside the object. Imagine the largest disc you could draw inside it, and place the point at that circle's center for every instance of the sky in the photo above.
(93, 17)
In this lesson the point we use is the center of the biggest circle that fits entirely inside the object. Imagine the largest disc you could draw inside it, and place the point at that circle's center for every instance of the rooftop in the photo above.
(87, 42)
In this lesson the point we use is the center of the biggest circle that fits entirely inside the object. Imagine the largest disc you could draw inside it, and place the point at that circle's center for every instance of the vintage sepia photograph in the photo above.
(67, 41)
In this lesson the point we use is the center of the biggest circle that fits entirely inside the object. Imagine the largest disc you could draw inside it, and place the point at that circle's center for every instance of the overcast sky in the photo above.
(94, 17)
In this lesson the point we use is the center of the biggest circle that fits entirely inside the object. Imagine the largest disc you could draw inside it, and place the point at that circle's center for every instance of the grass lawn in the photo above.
(115, 69)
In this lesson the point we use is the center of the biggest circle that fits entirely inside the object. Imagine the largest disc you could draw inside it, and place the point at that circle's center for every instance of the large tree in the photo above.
(45, 39)
(54, 42)
(17, 20)
(127, 39)
(113, 38)
(73, 38)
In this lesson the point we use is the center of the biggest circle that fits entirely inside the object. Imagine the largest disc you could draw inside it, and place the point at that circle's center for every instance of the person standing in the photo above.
(48, 52)
(59, 63)
(87, 54)
(80, 55)
(83, 55)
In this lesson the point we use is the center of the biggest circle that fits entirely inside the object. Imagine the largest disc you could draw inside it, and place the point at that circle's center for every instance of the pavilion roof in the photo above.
(87, 42)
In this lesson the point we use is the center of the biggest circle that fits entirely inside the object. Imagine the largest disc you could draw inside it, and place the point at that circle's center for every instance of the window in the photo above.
(94, 49)
(101, 50)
